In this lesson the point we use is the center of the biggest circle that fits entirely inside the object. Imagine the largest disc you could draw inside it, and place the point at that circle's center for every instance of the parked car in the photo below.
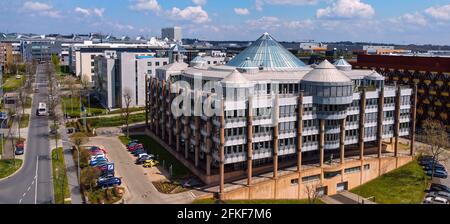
(19, 150)
(136, 146)
(437, 173)
(18, 76)
(132, 141)
(150, 163)
(94, 162)
(435, 200)
(430, 165)
(96, 148)
(138, 151)
(142, 159)
(102, 166)
(97, 156)
(441, 194)
(109, 182)
(441, 168)
(439, 187)
(101, 163)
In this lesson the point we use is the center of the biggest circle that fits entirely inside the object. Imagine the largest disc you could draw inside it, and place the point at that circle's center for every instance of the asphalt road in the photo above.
(33, 183)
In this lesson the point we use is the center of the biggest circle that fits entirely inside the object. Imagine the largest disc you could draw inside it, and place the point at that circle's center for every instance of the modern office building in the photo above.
(40, 50)
(430, 73)
(119, 73)
(273, 115)
(171, 33)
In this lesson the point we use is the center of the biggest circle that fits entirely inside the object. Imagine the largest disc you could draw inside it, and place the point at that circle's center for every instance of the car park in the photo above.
(150, 163)
(439, 187)
(109, 182)
(138, 151)
(437, 173)
(99, 160)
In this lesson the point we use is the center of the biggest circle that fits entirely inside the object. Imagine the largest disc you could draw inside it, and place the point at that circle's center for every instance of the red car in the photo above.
(94, 150)
(134, 147)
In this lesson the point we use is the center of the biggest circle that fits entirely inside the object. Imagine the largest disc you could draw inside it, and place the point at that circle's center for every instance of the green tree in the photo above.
(55, 61)
(89, 176)
(435, 136)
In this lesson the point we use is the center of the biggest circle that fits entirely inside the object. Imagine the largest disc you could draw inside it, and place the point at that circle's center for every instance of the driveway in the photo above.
(136, 179)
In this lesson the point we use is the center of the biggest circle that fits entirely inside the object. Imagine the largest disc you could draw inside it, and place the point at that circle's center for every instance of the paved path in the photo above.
(136, 179)
(33, 183)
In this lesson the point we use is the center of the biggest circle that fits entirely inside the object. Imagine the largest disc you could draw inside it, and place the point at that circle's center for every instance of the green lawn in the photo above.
(267, 201)
(179, 170)
(24, 119)
(115, 120)
(7, 167)
(12, 83)
(133, 109)
(59, 176)
(72, 106)
(405, 185)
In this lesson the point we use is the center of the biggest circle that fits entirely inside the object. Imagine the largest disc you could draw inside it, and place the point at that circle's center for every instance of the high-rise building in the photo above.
(278, 125)
(172, 33)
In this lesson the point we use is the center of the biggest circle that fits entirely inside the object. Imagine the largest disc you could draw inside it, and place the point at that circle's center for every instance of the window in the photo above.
(311, 178)
(157, 63)
(353, 169)
(294, 181)
(165, 63)
(367, 167)
(149, 63)
(149, 72)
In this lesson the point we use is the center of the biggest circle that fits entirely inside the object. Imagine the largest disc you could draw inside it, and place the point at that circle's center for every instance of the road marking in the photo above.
(36, 185)
(20, 201)
(29, 188)
(23, 195)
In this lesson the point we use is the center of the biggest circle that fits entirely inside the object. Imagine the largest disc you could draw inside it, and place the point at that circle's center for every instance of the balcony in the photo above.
(331, 144)
(262, 153)
(261, 137)
(285, 150)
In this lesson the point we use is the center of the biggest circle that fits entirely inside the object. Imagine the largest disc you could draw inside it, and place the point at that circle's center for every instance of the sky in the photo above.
(382, 21)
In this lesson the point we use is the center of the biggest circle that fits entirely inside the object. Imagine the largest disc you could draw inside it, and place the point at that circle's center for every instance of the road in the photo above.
(136, 179)
(33, 183)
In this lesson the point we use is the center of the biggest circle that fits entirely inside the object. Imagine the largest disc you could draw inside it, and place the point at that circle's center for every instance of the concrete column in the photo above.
(275, 138)
(222, 150)
(249, 140)
(299, 132)
(321, 141)
(380, 122)
(342, 141)
(197, 140)
(397, 119)
(208, 146)
(146, 101)
(362, 115)
(177, 134)
(187, 140)
(163, 113)
(157, 112)
(413, 120)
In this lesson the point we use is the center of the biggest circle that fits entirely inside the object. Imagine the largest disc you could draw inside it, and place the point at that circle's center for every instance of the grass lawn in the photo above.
(115, 120)
(24, 119)
(12, 83)
(405, 185)
(7, 167)
(267, 201)
(72, 106)
(179, 170)
(59, 177)
(132, 109)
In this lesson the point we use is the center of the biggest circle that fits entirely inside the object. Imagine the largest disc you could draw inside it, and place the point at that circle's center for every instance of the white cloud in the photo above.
(200, 2)
(82, 11)
(440, 13)
(299, 24)
(99, 12)
(194, 14)
(241, 11)
(265, 23)
(36, 6)
(346, 9)
(259, 5)
(413, 19)
(41, 9)
(145, 5)
(291, 2)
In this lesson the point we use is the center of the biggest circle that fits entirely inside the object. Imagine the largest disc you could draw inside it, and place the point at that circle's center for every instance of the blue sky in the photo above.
(396, 21)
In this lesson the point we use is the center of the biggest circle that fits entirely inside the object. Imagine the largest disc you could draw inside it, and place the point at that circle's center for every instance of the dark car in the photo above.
(439, 187)
(427, 161)
(437, 173)
(436, 166)
(109, 182)
(143, 158)
(101, 163)
(19, 151)
(138, 151)
(132, 141)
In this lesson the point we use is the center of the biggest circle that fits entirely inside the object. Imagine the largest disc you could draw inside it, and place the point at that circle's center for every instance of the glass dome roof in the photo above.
(267, 53)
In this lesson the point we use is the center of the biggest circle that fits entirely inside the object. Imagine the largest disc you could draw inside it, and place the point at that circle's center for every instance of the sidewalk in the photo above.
(71, 167)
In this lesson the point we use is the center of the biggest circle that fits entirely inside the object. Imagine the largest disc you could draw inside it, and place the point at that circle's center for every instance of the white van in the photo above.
(42, 109)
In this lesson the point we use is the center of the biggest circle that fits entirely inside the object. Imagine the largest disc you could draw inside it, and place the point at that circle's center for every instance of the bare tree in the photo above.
(435, 136)
(127, 97)
(71, 83)
(312, 190)
(85, 85)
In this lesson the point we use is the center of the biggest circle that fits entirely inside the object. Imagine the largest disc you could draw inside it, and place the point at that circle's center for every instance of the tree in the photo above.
(312, 190)
(70, 81)
(127, 97)
(85, 85)
(79, 139)
(89, 176)
(435, 136)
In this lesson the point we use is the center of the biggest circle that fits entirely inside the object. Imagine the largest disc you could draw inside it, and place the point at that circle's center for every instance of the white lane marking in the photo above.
(23, 195)
(29, 188)
(36, 185)
(20, 201)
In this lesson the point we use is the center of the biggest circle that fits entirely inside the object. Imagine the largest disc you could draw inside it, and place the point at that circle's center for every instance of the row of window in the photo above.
(157, 63)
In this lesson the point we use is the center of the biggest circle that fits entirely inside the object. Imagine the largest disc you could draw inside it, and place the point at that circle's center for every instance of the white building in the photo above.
(172, 33)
